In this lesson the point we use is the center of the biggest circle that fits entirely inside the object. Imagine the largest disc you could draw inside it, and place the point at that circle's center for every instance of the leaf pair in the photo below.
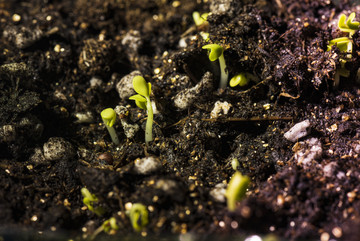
(344, 44)
(215, 51)
(348, 25)
(143, 89)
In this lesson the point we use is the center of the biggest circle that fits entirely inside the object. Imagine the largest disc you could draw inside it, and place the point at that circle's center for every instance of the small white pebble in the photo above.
(298, 131)
(147, 165)
(220, 108)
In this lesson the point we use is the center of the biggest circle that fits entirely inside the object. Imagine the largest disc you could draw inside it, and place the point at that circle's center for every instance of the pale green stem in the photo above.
(224, 74)
(113, 134)
(149, 121)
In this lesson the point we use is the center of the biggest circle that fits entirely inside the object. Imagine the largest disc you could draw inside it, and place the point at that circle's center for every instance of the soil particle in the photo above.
(57, 148)
(125, 87)
(185, 98)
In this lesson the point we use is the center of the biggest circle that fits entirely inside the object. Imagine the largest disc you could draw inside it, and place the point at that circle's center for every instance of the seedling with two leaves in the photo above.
(142, 100)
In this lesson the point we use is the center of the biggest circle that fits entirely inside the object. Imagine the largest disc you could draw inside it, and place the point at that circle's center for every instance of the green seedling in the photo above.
(205, 36)
(89, 200)
(216, 52)
(236, 189)
(348, 25)
(344, 44)
(240, 80)
(109, 116)
(200, 22)
(109, 226)
(199, 19)
(142, 100)
(139, 216)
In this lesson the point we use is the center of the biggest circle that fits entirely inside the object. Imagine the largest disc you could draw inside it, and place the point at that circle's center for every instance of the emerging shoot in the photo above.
(236, 189)
(110, 226)
(240, 80)
(216, 52)
(199, 19)
(344, 44)
(89, 201)
(201, 23)
(142, 100)
(348, 25)
(139, 216)
(109, 116)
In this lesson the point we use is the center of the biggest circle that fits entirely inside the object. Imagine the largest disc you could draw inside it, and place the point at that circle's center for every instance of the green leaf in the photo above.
(138, 98)
(139, 216)
(141, 86)
(215, 51)
(140, 101)
(141, 104)
(199, 19)
(350, 23)
(108, 116)
(236, 189)
(239, 79)
(342, 43)
(341, 22)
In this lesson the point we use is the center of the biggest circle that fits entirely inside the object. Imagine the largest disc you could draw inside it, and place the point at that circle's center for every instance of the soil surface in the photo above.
(63, 62)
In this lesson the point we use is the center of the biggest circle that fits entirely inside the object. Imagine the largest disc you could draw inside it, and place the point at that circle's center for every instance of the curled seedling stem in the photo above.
(216, 52)
(139, 216)
(89, 200)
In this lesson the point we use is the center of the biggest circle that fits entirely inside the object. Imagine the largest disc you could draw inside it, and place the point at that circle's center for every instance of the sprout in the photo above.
(234, 163)
(139, 216)
(344, 44)
(216, 52)
(89, 200)
(200, 22)
(142, 100)
(240, 80)
(110, 225)
(199, 19)
(236, 189)
(348, 25)
(109, 116)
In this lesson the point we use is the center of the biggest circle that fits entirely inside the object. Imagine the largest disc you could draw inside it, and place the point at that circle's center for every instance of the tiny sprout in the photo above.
(109, 116)
(216, 52)
(344, 44)
(142, 100)
(110, 225)
(236, 189)
(89, 201)
(234, 163)
(139, 216)
(205, 36)
(240, 80)
(348, 25)
(199, 19)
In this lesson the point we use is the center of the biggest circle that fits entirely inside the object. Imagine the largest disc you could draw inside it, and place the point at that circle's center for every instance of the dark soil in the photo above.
(60, 62)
